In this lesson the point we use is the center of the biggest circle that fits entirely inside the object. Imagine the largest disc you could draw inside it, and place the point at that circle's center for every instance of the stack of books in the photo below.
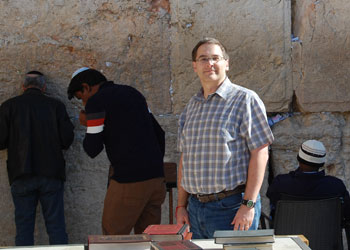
(252, 239)
(174, 245)
(168, 232)
(122, 242)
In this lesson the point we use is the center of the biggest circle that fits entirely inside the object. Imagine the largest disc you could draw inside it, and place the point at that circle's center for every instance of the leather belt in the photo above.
(204, 198)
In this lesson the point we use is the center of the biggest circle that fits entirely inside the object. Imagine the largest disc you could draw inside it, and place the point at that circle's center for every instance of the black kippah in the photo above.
(34, 72)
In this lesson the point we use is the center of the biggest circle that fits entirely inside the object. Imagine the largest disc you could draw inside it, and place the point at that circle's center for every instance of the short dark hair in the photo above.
(209, 40)
(90, 76)
(34, 79)
(34, 72)
(310, 164)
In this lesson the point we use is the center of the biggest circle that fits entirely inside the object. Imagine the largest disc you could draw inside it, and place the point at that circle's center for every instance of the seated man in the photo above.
(307, 181)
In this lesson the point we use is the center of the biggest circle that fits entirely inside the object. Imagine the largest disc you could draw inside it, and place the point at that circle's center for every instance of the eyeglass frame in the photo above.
(207, 59)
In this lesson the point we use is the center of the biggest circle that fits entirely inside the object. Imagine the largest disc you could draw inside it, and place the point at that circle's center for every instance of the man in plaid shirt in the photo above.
(223, 139)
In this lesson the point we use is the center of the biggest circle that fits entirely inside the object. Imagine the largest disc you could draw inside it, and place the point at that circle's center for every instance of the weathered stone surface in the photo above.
(7, 227)
(256, 35)
(322, 55)
(292, 132)
(169, 124)
(127, 40)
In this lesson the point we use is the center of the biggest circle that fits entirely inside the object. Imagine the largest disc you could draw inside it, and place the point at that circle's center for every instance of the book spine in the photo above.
(301, 244)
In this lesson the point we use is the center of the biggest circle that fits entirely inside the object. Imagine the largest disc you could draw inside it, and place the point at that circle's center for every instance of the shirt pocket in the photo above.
(229, 134)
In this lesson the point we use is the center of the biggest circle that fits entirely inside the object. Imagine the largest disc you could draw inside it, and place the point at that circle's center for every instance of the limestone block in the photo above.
(126, 40)
(322, 61)
(169, 124)
(256, 35)
(7, 225)
(85, 190)
(345, 152)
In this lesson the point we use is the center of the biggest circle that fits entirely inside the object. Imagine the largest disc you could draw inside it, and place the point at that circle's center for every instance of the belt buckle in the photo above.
(203, 198)
(220, 196)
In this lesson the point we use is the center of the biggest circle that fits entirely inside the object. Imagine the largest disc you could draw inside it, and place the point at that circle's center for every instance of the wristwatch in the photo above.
(248, 203)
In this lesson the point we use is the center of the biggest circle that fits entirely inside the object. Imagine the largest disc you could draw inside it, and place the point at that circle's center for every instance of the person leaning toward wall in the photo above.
(223, 139)
(35, 129)
(117, 118)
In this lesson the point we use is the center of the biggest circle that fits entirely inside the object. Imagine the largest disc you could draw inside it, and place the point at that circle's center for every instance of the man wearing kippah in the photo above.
(117, 118)
(35, 128)
(308, 180)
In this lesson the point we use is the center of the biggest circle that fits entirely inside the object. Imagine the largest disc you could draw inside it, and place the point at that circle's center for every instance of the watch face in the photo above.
(250, 203)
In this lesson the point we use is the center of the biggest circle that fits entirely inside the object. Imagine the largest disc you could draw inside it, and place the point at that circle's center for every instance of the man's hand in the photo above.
(82, 118)
(244, 218)
(182, 216)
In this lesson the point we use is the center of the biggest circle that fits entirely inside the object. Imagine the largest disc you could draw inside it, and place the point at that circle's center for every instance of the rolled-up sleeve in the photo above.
(93, 142)
(255, 128)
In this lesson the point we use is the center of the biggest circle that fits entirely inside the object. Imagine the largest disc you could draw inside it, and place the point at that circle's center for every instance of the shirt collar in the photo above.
(223, 91)
(316, 173)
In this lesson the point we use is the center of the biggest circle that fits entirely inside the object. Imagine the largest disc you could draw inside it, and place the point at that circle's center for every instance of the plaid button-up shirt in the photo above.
(216, 136)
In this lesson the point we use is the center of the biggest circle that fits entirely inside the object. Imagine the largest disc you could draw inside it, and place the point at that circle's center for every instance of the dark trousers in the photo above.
(26, 193)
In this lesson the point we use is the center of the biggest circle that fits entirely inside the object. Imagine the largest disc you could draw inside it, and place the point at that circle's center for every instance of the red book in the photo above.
(175, 245)
(167, 232)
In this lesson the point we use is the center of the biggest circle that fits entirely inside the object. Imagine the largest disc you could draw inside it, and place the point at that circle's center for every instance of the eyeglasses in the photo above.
(213, 59)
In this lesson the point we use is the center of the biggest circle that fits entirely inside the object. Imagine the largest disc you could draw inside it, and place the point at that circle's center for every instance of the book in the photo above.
(289, 242)
(168, 232)
(250, 236)
(246, 246)
(300, 236)
(46, 247)
(114, 242)
(207, 244)
(174, 245)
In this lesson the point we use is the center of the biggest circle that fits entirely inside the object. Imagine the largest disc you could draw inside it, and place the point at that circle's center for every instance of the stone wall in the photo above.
(294, 54)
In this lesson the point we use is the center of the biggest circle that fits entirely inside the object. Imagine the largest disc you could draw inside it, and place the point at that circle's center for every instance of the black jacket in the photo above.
(35, 128)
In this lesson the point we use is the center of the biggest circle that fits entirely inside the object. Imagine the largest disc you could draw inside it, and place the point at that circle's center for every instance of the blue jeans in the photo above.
(206, 218)
(26, 193)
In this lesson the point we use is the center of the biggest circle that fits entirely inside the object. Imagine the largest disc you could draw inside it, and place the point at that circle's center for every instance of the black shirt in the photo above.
(118, 118)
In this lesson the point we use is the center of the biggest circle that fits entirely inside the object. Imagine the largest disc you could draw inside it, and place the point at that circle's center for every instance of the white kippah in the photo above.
(79, 71)
(313, 151)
